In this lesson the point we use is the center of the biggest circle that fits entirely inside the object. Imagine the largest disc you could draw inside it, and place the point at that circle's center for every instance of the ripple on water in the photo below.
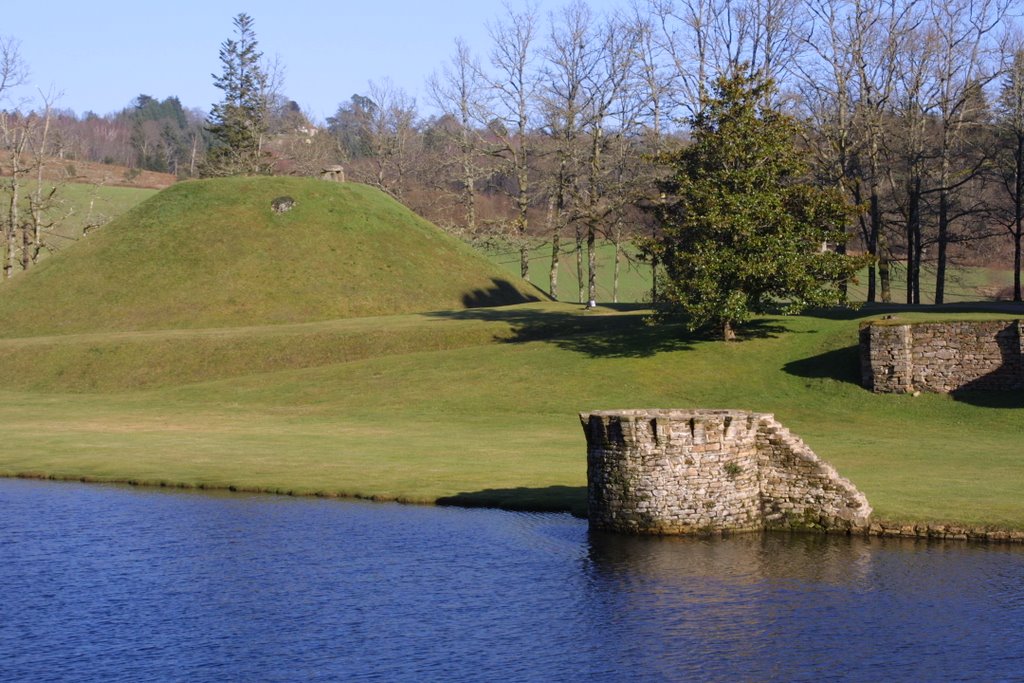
(120, 584)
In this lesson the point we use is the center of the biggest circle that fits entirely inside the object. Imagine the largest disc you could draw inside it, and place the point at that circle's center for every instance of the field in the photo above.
(963, 284)
(455, 408)
(447, 403)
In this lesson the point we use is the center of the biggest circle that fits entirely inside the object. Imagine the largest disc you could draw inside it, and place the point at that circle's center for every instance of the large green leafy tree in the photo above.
(238, 124)
(743, 231)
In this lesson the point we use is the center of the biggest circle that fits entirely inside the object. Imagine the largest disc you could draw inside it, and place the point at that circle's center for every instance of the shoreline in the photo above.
(875, 529)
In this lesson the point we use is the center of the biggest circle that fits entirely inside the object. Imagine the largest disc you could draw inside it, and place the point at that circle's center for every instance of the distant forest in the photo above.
(913, 108)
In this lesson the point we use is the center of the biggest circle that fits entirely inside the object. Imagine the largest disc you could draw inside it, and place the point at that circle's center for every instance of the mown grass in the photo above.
(79, 204)
(963, 283)
(489, 416)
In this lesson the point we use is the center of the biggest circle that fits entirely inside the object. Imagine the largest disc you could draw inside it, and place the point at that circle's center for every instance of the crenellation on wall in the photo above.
(694, 471)
(942, 357)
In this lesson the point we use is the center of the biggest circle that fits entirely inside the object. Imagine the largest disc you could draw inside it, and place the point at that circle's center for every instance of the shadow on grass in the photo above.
(842, 365)
(627, 333)
(572, 499)
(989, 399)
(867, 310)
(500, 293)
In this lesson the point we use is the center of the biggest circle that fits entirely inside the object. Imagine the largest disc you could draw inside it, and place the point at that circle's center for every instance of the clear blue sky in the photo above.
(101, 55)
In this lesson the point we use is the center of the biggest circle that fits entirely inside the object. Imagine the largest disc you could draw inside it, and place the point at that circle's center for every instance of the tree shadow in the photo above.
(627, 333)
(989, 399)
(864, 310)
(1003, 387)
(571, 499)
(842, 365)
(1008, 307)
(501, 293)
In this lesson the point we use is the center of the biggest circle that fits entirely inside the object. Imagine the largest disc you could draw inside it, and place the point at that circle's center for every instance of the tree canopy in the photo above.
(238, 124)
(743, 231)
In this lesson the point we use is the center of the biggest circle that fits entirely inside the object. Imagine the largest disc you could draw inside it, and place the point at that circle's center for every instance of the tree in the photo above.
(515, 87)
(1010, 159)
(238, 124)
(459, 91)
(743, 231)
(350, 126)
(13, 71)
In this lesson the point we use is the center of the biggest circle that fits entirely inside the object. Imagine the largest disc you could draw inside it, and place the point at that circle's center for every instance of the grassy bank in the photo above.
(485, 413)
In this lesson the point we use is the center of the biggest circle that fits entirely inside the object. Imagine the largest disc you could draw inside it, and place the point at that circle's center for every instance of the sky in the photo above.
(98, 56)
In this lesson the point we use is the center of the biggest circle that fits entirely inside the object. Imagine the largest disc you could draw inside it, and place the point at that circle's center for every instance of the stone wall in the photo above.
(694, 471)
(941, 357)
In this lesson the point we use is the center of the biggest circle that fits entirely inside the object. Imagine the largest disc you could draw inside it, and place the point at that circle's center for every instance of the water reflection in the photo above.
(106, 583)
(802, 607)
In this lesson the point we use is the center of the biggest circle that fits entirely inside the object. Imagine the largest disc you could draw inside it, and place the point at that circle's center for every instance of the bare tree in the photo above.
(849, 89)
(32, 202)
(571, 58)
(386, 133)
(963, 64)
(706, 39)
(514, 89)
(13, 71)
(1010, 162)
(460, 92)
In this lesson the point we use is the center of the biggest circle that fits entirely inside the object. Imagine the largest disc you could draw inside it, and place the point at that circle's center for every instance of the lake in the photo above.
(107, 583)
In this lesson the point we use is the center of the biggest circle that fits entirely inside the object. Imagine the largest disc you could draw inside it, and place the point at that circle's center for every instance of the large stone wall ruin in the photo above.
(699, 471)
(941, 357)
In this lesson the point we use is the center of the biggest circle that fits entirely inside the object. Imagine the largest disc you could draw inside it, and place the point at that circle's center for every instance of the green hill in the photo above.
(212, 253)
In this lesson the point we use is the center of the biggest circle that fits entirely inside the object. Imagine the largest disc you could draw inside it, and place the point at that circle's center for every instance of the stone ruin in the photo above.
(706, 471)
(941, 357)
(333, 173)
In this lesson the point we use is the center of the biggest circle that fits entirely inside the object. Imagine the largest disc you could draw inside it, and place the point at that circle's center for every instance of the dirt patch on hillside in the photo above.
(73, 171)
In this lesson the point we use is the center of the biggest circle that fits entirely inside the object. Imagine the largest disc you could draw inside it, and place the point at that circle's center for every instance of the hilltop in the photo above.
(212, 253)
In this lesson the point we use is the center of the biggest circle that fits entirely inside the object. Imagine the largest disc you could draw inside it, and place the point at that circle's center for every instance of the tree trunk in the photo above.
(1016, 262)
(943, 239)
(524, 257)
(873, 251)
(555, 248)
(12, 220)
(1018, 215)
(654, 269)
(579, 260)
(618, 265)
(883, 271)
(591, 265)
(876, 245)
(914, 242)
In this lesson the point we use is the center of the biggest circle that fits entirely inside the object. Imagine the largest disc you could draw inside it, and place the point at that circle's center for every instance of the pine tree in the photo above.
(743, 232)
(238, 124)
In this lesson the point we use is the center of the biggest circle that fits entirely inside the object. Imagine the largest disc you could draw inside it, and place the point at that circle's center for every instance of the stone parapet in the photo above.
(698, 471)
(942, 357)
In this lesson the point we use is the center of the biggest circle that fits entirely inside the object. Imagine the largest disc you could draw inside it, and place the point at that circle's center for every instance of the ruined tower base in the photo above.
(699, 471)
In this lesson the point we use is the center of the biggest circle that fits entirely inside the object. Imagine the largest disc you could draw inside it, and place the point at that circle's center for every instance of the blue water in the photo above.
(117, 584)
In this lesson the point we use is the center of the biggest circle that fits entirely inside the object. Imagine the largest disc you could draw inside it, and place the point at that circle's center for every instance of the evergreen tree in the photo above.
(743, 231)
(238, 124)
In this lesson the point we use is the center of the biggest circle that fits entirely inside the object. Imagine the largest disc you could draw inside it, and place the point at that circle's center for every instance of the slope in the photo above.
(212, 253)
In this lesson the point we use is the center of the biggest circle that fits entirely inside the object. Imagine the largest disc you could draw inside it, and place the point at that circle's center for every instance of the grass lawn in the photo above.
(479, 407)
(963, 283)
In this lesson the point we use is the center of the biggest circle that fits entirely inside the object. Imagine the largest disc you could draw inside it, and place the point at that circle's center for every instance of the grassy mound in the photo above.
(212, 253)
